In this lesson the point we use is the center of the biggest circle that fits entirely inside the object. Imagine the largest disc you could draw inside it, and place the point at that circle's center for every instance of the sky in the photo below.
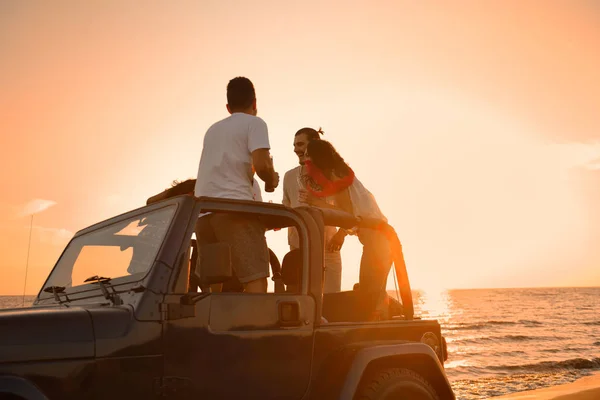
(475, 124)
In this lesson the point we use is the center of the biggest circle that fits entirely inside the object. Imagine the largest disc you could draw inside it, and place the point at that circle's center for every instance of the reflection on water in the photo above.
(433, 305)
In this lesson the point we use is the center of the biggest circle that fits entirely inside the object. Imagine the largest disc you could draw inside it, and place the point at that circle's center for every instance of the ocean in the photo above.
(502, 341)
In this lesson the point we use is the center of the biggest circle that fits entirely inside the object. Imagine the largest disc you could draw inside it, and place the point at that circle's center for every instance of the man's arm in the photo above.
(258, 145)
(263, 164)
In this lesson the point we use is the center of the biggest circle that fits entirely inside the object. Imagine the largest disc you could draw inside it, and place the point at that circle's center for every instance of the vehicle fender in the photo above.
(20, 387)
(417, 357)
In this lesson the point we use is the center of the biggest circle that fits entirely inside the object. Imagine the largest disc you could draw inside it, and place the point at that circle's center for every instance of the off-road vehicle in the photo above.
(123, 315)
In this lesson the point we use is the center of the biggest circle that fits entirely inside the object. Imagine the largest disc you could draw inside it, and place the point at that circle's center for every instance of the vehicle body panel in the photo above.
(234, 347)
(338, 345)
(48, 333)
(54, 379)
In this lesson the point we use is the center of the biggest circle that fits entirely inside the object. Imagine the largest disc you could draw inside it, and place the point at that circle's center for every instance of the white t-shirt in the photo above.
(225, 169)
(256, 193)
(291, 188)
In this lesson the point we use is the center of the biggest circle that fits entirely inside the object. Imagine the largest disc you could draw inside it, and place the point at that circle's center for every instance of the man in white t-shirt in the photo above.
(293, 181)
(232, 147)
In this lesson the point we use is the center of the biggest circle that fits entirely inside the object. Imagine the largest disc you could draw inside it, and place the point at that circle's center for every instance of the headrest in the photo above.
(291, 267)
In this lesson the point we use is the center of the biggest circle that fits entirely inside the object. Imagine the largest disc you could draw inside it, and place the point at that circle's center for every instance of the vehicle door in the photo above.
(241, 345)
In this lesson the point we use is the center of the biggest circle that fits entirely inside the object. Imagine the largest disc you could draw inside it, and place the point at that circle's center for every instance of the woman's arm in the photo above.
(317, 202)
(341, 202)
(304, 196)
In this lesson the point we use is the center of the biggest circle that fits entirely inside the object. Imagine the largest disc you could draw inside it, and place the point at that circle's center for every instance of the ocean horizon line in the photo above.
(416, 289)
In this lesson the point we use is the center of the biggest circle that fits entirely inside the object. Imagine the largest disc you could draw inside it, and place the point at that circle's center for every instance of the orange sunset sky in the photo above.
(476, 124)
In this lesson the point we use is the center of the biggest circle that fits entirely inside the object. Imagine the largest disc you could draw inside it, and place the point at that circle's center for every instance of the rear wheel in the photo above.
(396, 384)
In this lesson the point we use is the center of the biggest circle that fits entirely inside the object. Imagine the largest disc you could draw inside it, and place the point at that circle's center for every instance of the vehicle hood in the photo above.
(43, 333)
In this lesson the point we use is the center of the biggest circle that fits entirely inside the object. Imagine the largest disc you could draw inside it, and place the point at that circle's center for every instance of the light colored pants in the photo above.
(332, 280)
(375, 265)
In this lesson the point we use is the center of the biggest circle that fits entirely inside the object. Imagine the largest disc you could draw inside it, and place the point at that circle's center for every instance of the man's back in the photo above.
(233, 149)
(225, 169)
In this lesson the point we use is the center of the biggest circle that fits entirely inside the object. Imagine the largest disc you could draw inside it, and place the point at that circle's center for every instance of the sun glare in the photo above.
(480, 196)
(433, 303)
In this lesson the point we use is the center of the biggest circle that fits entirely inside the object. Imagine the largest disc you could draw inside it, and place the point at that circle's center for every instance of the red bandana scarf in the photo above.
(328, 187)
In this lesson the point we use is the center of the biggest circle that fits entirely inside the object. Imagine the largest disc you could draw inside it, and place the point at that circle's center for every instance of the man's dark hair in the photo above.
(240, 93)
(311, 134)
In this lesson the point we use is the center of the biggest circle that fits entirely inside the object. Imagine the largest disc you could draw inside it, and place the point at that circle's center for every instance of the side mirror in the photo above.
(213, 264)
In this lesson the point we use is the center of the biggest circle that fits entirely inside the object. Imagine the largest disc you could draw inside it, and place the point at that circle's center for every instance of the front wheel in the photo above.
(396, 384)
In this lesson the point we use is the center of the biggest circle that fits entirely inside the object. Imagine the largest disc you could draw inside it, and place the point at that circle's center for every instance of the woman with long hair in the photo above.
(336, 183)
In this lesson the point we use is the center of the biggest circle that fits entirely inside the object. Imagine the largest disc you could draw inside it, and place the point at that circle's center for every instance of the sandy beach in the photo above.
(587, 388)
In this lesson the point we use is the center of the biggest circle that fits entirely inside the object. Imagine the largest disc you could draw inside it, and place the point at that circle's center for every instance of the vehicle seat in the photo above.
(348, 306)
(291, 271)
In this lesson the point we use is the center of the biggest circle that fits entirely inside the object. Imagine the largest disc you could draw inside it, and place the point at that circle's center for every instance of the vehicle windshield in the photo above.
(125, 249)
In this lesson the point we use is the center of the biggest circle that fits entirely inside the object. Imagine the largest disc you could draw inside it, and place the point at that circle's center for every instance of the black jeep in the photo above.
(125, 314)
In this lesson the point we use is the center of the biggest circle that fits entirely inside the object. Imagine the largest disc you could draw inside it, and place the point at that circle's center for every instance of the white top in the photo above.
(225, 169)
(363, 202)
(291, 187)
(256, 193)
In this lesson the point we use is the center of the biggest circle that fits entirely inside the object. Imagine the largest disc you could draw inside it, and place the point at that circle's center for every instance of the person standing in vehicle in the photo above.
(336, 179)
(297, 179)
(232, 147)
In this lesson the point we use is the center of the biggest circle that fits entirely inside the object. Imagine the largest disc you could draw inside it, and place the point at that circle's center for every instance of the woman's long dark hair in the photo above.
(324, 156)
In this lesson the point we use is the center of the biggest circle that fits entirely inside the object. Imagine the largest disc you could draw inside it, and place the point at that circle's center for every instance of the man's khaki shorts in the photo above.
(246, 236)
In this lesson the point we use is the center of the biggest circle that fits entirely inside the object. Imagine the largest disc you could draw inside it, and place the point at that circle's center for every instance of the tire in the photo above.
(396, 384)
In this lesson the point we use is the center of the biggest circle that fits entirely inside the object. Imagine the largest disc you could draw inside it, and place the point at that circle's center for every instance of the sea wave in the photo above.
(505, 338)
(530, 322)
(551, 366)
(488, 324)
(572, 366)
(508, 353)
(472, 327)
(564, 349)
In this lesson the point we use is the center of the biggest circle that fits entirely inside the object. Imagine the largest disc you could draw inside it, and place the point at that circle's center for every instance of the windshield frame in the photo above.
(85, 290)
